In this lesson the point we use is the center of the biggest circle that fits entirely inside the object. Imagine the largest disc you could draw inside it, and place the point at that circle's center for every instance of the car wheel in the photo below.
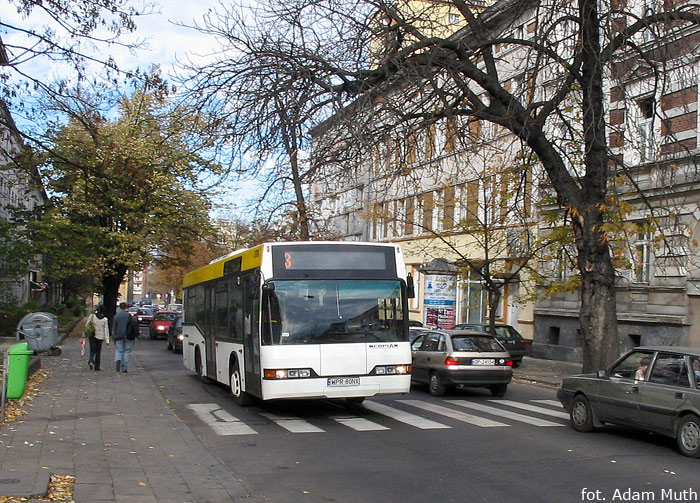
(581, 414)
(498, 389)
(241, 397)
(688, 436)
(436, 387)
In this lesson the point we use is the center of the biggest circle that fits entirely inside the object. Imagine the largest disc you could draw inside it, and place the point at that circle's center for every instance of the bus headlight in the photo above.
(391, 370)
(287, 373)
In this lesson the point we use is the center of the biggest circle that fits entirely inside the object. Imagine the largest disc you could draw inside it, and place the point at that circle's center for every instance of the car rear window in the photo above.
(475, 343)
(165, 317)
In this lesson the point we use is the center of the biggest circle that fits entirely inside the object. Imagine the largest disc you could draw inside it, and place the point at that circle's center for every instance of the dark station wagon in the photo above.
(652, 388)
(511, 339)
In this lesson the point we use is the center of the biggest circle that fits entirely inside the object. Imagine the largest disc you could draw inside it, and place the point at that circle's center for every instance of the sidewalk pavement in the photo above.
(114, 432)
(545, 372)
(119, 438)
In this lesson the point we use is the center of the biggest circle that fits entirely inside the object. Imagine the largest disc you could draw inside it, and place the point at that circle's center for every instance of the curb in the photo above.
(536, 381)
(24, 485)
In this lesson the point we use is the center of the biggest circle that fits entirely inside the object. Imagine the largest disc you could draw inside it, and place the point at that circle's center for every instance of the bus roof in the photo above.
(252, 258)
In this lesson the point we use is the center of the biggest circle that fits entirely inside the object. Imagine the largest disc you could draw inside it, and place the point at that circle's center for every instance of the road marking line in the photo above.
(222, 422)
(454, 414)
(359, 424)
(554, 403)
(504, 413)
(293, 424)
(533, 408)
(403, 416)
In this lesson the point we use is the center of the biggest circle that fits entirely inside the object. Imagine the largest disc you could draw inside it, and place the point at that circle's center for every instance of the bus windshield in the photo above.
(332, 312)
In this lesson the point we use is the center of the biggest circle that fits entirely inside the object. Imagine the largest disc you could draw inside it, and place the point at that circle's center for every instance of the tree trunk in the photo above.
(598, 308)
(302, 214)
(110, 290)
(597, 314)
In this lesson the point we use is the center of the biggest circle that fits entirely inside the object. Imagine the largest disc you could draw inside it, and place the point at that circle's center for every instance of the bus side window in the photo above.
(235, 324)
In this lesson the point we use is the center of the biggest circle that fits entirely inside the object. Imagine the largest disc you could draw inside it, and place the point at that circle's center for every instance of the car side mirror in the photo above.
(602, 374)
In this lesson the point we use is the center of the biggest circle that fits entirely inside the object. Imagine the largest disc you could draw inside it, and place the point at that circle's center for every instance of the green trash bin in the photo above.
(17, 369)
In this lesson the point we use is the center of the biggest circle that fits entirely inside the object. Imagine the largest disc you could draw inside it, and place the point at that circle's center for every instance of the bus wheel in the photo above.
(241, 397)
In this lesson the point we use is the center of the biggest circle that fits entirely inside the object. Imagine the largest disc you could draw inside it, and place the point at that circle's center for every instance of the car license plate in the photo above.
(483, 361)
(343, 381)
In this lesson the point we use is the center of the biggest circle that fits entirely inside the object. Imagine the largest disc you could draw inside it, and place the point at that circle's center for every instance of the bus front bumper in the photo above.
(332, 387)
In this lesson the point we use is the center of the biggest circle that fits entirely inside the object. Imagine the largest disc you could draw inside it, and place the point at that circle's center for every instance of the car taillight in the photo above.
(509, 362)
(449, 361)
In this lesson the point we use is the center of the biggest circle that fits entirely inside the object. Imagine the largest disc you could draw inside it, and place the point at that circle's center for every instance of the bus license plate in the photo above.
(483, 361)
(343, 381)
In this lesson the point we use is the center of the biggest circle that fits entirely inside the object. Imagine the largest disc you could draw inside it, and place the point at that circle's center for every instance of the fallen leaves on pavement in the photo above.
(17, 408)
(60, 489)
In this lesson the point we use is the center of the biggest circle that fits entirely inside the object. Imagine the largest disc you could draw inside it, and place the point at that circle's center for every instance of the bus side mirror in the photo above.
(410, 288)
(253, 288)
(268, 287)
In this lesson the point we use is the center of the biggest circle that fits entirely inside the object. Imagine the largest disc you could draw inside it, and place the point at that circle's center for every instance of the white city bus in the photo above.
(301, 320)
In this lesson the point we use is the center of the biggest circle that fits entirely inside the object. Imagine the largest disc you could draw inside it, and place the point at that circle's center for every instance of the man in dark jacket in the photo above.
(124, 330)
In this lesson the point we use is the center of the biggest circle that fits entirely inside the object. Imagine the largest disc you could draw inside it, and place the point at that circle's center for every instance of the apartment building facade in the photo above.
(466, 193)
(18, 190)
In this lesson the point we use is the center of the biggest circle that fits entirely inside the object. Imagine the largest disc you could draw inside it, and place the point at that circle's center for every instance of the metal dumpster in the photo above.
(39, 331)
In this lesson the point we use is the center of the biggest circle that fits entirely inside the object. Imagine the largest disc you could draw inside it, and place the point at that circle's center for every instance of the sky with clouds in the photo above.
(167, 42)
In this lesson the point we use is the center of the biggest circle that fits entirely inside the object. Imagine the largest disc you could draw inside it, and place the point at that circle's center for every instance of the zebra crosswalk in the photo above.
(376, 416)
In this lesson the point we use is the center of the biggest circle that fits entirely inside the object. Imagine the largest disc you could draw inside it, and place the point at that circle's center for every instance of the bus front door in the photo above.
(251, 336)
(210, 336)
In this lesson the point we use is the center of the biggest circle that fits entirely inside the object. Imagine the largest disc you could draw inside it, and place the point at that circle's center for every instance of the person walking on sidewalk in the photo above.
(101, 324)
(124, 330)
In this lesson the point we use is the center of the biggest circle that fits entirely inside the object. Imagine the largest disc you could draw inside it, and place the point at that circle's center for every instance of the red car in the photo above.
(161, 324)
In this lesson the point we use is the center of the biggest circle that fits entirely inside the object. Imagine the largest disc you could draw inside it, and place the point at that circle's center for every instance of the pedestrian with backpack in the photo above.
(96, 332)
(124, 330)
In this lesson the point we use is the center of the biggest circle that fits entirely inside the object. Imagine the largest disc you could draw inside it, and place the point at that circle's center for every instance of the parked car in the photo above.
(175, 336)
(145, 315)
(161, 323)
(651, 388)
(511, 339)
(460, 358)
(175, 307)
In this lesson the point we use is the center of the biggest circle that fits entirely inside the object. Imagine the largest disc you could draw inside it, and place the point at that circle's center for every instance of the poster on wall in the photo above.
(439, 301)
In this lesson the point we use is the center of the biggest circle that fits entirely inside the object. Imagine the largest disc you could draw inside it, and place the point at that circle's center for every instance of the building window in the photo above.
(642, 258)
(438, 212)
(450, 134)
(553, 336)
(472, 299)
(646, 128)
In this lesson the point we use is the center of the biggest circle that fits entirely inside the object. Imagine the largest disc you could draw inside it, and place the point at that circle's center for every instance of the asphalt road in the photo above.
(464, 447)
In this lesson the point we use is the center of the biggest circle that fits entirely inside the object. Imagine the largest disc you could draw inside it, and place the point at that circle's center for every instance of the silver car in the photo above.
(651, 388)
(460, 358)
